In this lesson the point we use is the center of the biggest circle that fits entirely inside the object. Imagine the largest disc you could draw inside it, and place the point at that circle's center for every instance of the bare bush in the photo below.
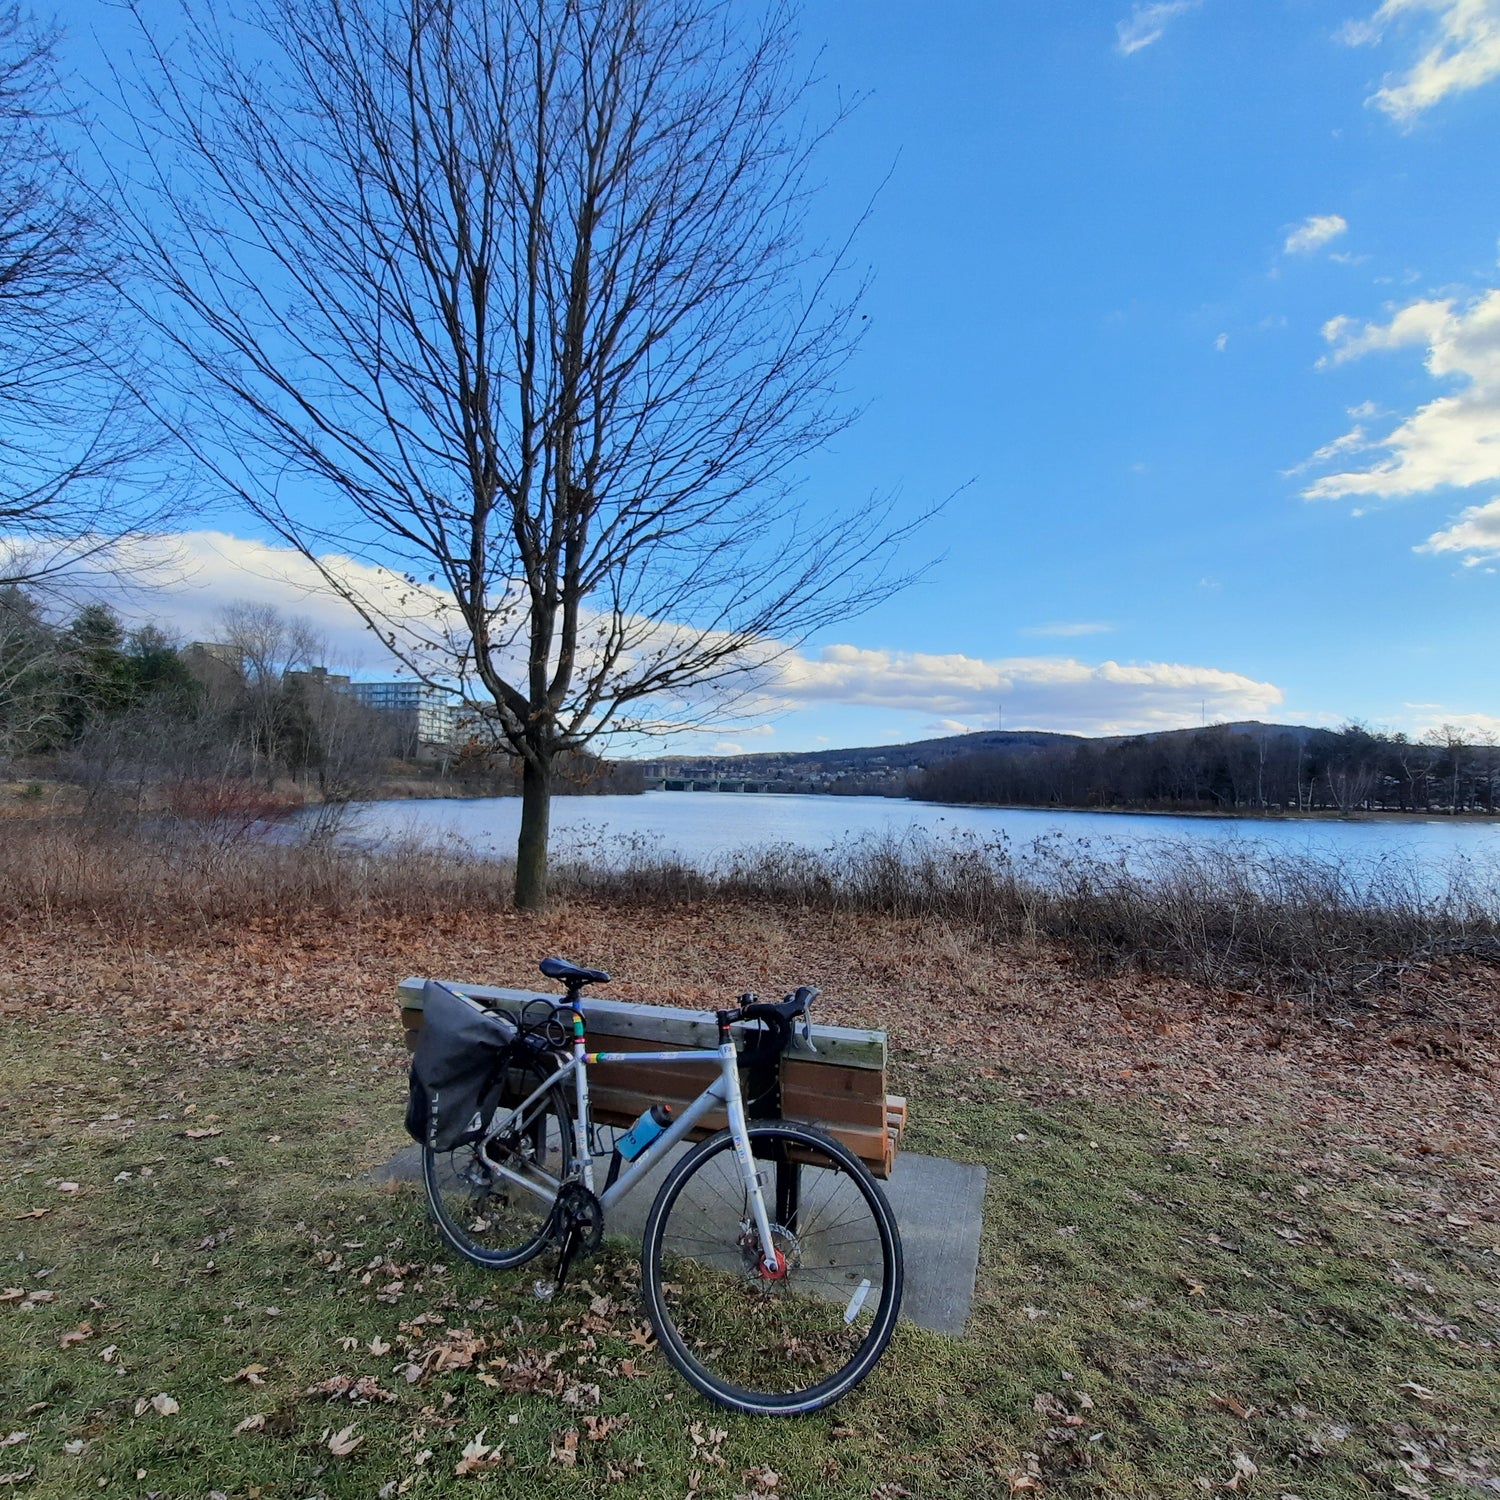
(1243, 917)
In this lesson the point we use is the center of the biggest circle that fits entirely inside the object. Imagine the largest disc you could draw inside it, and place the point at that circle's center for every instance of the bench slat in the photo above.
(848, 1046)
(839, 1087)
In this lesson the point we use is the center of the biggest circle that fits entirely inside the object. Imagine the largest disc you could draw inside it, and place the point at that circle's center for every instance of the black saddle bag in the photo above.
(461, 1055)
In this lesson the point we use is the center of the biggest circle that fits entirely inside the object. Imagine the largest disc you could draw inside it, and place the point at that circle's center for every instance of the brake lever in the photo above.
(812, 994)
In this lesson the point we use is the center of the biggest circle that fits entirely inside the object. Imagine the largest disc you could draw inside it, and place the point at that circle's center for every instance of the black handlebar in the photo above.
(778, 1017)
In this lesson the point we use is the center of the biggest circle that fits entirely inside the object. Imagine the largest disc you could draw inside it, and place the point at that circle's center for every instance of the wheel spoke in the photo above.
(492, 1203)
(794, 1341)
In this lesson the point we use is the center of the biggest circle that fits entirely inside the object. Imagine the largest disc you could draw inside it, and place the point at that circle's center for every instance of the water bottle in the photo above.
(644, 1131)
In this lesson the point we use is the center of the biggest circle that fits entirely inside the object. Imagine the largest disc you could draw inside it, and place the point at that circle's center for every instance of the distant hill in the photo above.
(885, 770)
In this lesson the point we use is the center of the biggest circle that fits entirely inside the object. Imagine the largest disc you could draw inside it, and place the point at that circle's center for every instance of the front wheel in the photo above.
(789, 1342)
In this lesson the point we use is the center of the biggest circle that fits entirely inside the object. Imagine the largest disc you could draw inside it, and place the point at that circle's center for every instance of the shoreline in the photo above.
(21, 796)
(1239, 815)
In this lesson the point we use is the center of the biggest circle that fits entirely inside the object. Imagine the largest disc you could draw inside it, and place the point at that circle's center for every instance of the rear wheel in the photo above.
(787, 1342)
(492, 1201)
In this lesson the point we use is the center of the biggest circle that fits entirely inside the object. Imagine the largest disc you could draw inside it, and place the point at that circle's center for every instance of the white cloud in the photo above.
(1314, 232)
(1475, 533)
(1146, 23)
(1452, 440)
(205, 570)
(1045, 692)
(1222, 342)
(1070, 628)
(1462, 52)
(1356, 440)
(1475, 728)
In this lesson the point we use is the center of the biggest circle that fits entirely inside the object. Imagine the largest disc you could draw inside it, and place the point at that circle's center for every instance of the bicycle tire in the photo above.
(780, 1347)
(486, 1218)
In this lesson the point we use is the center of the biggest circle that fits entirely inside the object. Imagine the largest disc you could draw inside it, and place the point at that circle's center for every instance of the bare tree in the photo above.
(514, 297)
(81, 470)
(31, 694)
(1448, 741)
(266, 645)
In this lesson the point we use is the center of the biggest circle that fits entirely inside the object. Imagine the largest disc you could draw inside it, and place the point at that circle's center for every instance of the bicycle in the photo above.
(771, 1263)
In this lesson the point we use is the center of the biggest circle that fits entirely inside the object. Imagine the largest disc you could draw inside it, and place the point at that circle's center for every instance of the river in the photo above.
(701, 828)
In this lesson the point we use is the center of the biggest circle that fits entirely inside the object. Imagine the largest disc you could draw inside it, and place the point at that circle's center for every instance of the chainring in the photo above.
(579, 1211)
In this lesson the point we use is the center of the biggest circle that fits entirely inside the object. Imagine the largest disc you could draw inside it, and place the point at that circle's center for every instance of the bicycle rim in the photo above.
(492, 1204)
(799, 1341)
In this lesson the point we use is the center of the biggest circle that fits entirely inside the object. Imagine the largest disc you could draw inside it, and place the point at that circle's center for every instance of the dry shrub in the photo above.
(1242, 915)
(135, 873)
(1239, 915)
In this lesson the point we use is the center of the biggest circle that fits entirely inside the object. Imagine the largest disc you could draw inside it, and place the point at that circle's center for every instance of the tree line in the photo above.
(1224, 769)
(252, 718)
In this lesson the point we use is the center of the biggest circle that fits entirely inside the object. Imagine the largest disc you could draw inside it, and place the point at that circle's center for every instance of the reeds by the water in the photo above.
(1235, 915)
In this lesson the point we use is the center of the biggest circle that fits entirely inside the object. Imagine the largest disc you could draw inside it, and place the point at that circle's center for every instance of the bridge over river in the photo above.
(714, 784)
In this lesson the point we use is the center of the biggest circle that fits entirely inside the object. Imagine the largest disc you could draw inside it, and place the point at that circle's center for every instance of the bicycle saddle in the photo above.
(571, 974)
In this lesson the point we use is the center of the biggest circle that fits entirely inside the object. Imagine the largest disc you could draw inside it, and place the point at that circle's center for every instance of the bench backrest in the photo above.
(841, 1086)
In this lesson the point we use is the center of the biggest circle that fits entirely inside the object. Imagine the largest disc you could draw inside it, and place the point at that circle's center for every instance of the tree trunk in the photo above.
(531, 849)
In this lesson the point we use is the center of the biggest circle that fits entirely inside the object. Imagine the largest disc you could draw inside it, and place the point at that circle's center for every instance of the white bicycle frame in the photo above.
(724, 1090)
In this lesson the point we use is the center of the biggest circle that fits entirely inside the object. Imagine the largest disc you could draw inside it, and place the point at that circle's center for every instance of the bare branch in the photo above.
(81, 462)
(515, 299)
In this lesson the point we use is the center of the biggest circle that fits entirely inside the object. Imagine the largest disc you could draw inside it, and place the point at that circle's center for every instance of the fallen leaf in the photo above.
(67, 1187)
(1244, 1413)
(252, 1423)
(344, 1442)
(198, 1135)
(16, 1476)
(250, 1374)
(597, 1429)
(164, 1406)
(478, 1455)
(74, 1448)
(83, 1332)
(13, 1439)
(378, 1347)
(35, 1213)
(1244, 1468)
(565, 1448)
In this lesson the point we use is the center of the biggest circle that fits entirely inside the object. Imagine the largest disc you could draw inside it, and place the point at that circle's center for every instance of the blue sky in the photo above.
(1198, 304)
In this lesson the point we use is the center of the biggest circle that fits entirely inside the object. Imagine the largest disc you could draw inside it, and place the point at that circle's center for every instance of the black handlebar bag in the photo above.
(460, 1059)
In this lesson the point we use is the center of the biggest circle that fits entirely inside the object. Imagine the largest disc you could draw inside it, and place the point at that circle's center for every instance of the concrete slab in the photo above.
(938, 1203)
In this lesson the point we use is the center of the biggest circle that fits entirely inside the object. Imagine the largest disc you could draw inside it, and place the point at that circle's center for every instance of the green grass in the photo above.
(1151, 1304)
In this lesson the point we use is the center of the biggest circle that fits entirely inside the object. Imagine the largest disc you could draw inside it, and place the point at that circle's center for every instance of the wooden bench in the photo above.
(841, 1087)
